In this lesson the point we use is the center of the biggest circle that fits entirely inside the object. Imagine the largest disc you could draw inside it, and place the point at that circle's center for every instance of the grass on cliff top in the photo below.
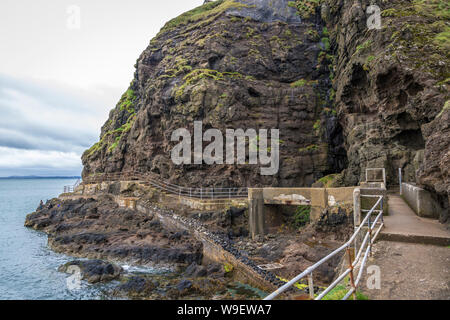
(206, 11)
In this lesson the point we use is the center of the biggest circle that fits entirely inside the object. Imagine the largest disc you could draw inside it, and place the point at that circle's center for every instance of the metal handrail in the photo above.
(186, 192)
(368, 241)
(71, 188)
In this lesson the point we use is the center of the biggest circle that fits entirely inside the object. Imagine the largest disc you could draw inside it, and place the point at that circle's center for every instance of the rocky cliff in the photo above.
(345, 97)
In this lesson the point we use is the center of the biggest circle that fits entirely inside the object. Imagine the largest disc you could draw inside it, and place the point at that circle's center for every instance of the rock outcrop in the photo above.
(231, 65)
(345, 97)
(99, 229)
(93, 271)
(392, 89)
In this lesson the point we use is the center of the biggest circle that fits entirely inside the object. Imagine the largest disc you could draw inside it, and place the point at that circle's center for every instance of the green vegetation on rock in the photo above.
(301, 216)
(305, 8)
(328, 181)
(199, 74)
(363, 47)
(338, 293)
(446, 107)
(127, 101)
(202, 14)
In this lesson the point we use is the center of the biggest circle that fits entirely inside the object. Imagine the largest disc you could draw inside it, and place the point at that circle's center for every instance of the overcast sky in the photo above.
(59, 78)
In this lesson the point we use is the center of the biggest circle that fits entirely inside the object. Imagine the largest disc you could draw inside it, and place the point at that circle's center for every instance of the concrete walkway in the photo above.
(403, 225)
(412, 255)
(409, 271)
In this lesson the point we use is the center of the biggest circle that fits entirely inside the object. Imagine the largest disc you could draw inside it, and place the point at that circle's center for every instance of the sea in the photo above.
(28, 268)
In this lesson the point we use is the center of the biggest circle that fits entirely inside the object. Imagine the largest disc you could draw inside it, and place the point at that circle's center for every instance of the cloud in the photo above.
(45, 126)
(18, 158)
(38, 162)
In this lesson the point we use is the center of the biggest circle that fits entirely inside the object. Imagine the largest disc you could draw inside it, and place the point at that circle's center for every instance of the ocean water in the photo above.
(28, 268)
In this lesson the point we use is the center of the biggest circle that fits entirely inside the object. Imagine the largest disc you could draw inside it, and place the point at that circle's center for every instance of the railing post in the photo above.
(311, 285)
(400, 179)
(369, 224)
(201, 193)
(381, 209)
(356, 212)
(352, 279)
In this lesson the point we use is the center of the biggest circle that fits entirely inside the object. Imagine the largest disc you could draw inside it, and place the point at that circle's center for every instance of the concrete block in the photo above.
(421, 201)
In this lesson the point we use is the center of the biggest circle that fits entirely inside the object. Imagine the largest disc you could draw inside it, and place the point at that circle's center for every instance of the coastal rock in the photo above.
(137, 287)
(93, 270)
(100, 229)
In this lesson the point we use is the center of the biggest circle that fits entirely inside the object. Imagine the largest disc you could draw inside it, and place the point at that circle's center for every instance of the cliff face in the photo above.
(392, 93)
(344, 97)
(232, 65)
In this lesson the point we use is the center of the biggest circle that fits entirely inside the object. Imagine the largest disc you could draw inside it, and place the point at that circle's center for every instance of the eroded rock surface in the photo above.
(345, 97)
(93, 271)
(99, 229)
(233, 65)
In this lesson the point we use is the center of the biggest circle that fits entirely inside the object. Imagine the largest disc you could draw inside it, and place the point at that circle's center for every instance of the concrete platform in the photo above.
(403, 225)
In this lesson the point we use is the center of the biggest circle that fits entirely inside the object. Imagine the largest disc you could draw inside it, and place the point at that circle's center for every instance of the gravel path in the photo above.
(410, 272)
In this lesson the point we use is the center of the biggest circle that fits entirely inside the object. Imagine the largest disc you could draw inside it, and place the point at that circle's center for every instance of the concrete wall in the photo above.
(264, 217)
(421, 201)
(368, 203)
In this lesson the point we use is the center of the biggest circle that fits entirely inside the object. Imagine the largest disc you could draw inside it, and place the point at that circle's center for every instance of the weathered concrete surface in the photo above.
(410, 272)
(367, 203)
(264, 217)
(421, 201)
(403, 225)
(206, 204)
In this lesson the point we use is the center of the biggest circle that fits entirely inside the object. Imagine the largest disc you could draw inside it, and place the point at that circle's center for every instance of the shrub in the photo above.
(301, 216)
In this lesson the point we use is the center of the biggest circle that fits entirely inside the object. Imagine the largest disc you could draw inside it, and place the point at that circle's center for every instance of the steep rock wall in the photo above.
(232, 65)
(392, 94)
(343, 96)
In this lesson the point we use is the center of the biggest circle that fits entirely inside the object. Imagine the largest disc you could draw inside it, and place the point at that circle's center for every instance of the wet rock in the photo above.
(137, 287)
(196, 271)
(184, 286)
(116, 233)
(93, 270)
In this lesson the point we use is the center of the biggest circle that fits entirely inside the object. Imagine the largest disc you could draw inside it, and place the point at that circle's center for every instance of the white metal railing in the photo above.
(364, 251)
(71, 188)
(202, 193)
